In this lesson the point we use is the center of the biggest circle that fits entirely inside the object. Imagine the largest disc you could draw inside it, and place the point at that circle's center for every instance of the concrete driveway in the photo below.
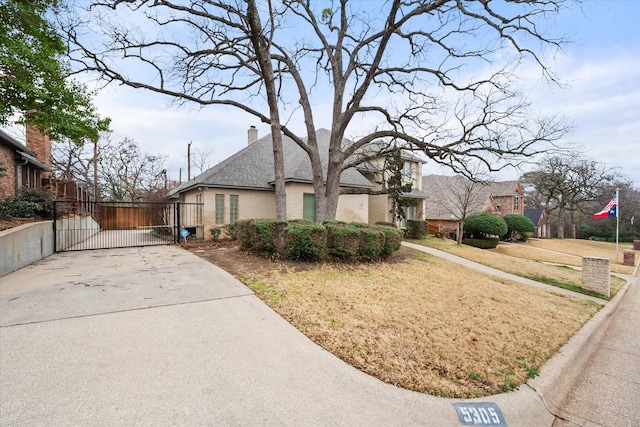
(158, 336)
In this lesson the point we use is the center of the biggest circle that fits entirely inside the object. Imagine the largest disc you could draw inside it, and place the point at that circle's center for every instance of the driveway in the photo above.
(158, 336)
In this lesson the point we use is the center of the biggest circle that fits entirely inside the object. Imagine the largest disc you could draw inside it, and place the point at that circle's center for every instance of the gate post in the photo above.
(55, 230)
(176, 235)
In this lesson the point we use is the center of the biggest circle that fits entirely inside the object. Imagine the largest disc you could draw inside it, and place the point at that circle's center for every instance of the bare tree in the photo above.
(201, 159)
(566, 184)
(71, 162)
(416, 70)
(126, 173)
(463, 197)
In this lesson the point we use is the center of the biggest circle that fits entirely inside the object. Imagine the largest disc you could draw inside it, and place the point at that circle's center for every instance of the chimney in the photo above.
(252, 135)
(40, 144)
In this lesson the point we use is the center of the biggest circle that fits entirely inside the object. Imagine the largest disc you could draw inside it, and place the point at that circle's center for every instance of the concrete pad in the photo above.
(157, 336)
(73, 284)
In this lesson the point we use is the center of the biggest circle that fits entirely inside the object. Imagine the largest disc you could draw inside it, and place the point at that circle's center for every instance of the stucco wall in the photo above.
(251, 204)
(353, 207)
(23, 245)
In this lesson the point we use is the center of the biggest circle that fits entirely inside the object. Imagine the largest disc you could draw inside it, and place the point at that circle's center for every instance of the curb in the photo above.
(559, 374)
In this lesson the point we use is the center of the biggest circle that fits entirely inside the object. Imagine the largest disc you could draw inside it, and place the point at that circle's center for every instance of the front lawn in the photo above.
(424, 323)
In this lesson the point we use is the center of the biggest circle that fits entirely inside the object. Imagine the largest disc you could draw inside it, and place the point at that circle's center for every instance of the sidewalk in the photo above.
(158, 336)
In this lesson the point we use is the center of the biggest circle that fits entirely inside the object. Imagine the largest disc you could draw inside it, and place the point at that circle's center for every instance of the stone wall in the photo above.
(596, 275)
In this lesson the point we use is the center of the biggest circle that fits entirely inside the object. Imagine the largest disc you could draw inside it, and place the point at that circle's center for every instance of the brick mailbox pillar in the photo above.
(629, 257)
(636, 245)
(596, 275)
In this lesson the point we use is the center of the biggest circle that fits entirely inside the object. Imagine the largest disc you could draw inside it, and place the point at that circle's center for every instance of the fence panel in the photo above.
(104, 225)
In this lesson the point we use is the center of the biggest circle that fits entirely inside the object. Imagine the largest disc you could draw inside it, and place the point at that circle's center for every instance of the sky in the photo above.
(601, 69)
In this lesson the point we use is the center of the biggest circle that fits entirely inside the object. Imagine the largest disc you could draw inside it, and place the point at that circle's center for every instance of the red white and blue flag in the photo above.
(609, 211)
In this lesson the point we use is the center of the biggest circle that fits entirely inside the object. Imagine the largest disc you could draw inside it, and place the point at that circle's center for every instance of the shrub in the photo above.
(517, 225)
(343, 241)
(215, 233)
(482, 224)
(371, 243)
(488, 243)
(386, 224)
(242, 231)
(268, 236)
(392, 241)
(28, 204)
(305, 242)
(416, 229)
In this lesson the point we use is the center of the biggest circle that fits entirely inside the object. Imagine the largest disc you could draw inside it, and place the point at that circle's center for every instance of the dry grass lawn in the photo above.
(524, 261)
(426, 324)
(580, 248)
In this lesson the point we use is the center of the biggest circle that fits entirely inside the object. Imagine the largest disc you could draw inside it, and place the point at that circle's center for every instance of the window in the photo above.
(219, 209)
(233, 208)
(309, 207)
(516, 203)
(406, 172)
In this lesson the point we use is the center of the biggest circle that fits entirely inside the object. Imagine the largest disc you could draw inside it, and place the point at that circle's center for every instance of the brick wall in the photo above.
(8, 179)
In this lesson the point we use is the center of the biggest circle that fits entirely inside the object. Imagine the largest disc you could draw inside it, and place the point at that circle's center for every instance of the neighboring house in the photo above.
(242, 186)
(24, 166)
(450, 198)
(541, 221)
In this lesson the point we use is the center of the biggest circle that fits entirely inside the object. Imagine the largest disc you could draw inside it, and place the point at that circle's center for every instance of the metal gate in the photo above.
(82, 225)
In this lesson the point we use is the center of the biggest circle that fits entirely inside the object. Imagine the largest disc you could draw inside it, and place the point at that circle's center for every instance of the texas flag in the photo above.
(611, 210)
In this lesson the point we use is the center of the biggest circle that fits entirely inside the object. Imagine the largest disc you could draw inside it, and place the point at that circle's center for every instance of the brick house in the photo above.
(242, 186)
(446, 195)
(541, 221)
(24, 165)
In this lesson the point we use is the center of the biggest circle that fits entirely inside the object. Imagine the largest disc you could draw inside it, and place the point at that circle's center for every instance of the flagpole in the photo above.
(617, 223)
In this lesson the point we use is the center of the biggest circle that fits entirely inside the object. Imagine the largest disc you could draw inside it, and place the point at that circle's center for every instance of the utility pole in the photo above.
(189, 160)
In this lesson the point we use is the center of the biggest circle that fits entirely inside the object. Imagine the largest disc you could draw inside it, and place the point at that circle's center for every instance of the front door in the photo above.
(309, 207)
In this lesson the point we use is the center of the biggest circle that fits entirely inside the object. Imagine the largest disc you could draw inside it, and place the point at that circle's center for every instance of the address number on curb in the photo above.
(486, 414)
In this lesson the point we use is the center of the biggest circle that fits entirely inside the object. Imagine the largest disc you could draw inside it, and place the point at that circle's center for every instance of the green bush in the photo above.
(371, 243)
(483, 224)
(242, 231)
(386, 224)
(304, 242)
(28, 204)
(416, 229)
(392, 241)
(215, 233)
(517, 225)
(343, 241)
(488, 243)
(268, 235)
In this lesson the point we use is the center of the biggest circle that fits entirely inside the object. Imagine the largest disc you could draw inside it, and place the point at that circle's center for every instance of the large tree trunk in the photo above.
(262, 47)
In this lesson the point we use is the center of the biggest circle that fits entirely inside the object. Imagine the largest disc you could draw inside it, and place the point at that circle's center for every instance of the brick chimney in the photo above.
(252, 135)
(40, 144)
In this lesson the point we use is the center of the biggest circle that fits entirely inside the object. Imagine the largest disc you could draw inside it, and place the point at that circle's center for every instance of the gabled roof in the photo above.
(535, 215)
(252, 167)
(444, 194)
(21, 151)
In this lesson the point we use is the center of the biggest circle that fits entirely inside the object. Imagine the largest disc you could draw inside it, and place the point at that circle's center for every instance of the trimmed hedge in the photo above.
(489, 243)
(343, 241)
(482, 224)
(518, 226)
(416, 229)
(305, 241)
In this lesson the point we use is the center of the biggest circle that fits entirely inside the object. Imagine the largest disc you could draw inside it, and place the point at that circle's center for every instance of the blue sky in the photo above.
(601, 68)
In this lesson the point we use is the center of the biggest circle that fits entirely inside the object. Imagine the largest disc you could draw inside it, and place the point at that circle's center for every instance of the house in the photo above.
(23, 166)
(243, 187)
(541, 221)
(450, 198)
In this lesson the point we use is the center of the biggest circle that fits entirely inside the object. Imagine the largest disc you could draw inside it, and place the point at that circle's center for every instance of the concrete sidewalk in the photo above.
(158, 336)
